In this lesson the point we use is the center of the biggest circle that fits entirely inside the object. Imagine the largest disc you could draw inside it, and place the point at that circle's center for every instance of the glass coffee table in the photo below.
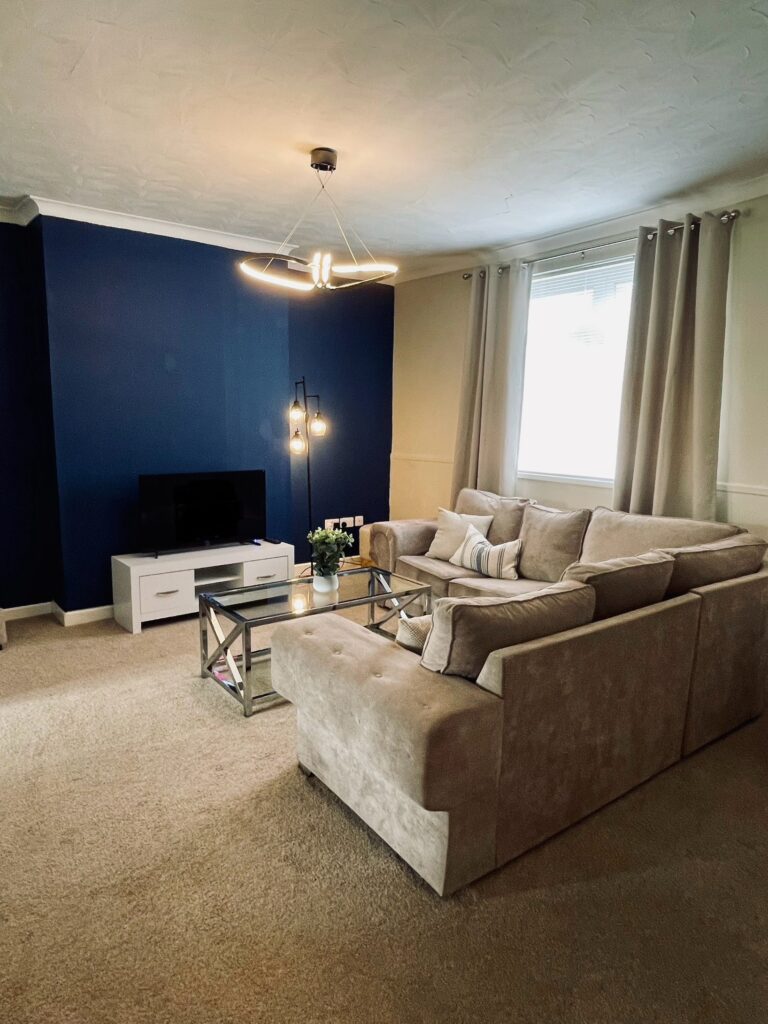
(227, 652)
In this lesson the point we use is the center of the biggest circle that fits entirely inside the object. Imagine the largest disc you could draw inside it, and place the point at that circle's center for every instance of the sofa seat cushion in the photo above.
(436, 739)
(507, 512)
(619, 534)
(703, 564)
(466, 630)
(433, 571)
(551, 541)
(623, 584)
(487, 587)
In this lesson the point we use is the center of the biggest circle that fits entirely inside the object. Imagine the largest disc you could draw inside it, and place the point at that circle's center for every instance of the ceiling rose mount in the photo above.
(323, 158)
(325, 270)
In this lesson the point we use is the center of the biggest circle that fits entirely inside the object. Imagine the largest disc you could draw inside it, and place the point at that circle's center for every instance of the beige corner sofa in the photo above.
(461, 775)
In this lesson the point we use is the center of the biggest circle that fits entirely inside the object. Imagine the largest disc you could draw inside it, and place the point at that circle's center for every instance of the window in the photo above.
(574, 365)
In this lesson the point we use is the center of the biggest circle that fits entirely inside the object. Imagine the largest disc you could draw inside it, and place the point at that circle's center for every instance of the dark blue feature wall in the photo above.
(342, 343)
(163, 359)
(29, 550)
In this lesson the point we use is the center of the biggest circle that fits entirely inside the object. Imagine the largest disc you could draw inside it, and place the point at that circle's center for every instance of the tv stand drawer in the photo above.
(266, 570)
(170, 593)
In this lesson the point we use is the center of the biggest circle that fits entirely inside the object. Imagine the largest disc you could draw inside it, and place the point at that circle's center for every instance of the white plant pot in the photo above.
(325, 584)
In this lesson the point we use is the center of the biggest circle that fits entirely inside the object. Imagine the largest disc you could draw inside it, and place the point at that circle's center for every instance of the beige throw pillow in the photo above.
(702, 564)
(466, 629)
(623, 584)
(551, 541)
(412, 633)
(451, 528)
(477, 553)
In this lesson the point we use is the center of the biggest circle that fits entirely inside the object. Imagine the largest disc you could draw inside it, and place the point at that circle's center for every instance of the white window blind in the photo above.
(574, 365)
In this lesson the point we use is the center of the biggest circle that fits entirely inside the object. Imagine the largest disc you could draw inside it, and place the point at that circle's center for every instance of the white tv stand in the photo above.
(146, 588)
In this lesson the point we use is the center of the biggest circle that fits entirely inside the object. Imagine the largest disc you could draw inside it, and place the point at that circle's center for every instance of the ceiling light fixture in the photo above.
(322, 271)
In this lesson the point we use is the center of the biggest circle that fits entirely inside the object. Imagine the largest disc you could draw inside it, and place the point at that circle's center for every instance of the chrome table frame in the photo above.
(235, 672)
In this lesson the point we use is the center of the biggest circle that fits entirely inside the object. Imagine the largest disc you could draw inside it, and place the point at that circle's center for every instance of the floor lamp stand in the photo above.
(301, 443)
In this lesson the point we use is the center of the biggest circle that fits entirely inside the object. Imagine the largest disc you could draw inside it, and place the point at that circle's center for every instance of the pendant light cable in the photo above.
(297, 225)
(336, 218)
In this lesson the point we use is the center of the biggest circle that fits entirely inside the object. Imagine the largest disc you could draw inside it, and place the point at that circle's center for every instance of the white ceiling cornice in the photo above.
(17, 211)
(723, 196)
(23, 210)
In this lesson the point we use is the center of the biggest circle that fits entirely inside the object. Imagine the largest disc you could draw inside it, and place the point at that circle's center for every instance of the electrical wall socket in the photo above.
(344, 522)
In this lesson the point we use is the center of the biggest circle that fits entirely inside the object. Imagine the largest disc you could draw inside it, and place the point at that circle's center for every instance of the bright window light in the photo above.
(574, 365)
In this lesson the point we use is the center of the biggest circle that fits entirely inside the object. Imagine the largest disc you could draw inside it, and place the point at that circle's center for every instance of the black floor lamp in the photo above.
(314, 426)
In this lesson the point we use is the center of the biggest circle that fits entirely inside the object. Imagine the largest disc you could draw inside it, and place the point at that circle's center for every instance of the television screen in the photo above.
(191, 510)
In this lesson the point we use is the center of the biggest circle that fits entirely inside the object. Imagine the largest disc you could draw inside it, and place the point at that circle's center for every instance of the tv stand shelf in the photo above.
(150, 587)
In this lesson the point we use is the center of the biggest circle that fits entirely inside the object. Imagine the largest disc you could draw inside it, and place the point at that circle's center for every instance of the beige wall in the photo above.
(743, 469)
(430, 329)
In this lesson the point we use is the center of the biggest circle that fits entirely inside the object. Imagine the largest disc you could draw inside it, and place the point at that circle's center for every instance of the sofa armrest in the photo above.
(436, 738)
(389, 540)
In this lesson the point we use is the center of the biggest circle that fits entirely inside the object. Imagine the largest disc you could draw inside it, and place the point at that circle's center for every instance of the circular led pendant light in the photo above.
(323, 271)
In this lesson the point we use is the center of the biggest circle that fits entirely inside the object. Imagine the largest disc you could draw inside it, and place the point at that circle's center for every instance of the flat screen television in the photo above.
(193, 510)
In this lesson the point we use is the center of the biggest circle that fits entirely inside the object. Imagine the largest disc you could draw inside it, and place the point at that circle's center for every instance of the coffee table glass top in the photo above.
(282, 599)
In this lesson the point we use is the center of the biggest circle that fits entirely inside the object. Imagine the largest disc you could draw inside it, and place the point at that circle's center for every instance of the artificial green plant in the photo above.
(328, 547)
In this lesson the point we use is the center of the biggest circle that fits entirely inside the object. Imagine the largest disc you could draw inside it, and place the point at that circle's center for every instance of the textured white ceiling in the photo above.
(459, 124)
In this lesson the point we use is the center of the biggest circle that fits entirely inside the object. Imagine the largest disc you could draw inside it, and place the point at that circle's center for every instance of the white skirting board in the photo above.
(76, 618)
(28, 611)
(82, 615)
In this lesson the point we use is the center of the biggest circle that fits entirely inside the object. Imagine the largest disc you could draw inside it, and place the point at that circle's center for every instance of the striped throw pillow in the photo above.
(497, 560)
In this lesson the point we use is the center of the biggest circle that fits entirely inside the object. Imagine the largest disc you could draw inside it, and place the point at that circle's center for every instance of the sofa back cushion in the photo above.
(623, 584)
(551, 541)
(466, 629)
(507, 512)
(618, 534)
(702, 564)
(451, 530)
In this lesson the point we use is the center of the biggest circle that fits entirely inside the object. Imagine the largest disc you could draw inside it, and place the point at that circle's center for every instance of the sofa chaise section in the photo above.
(414, 754)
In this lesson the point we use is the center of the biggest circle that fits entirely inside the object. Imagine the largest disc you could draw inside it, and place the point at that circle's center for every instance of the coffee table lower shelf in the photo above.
(227, 618)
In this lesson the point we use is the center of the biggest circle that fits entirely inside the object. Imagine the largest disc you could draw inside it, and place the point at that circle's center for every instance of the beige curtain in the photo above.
(670, 410)
(488, 432)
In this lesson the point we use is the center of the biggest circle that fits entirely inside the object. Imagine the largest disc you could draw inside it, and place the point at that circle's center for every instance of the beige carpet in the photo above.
(163, 860)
